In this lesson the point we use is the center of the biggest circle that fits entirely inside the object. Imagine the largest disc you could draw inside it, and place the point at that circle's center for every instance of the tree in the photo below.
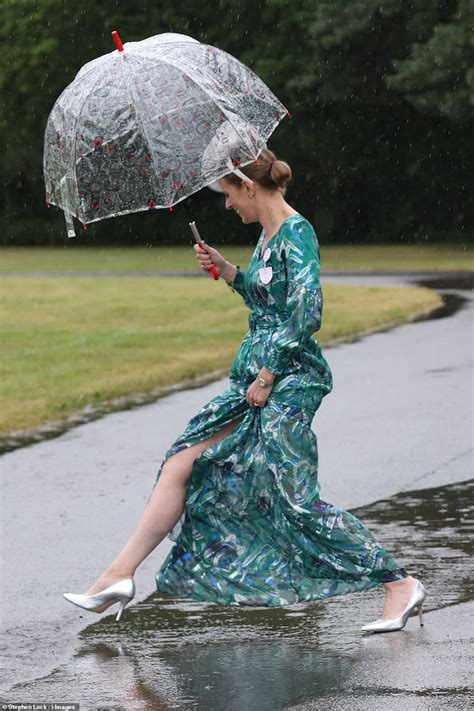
(382, 166)
(438, 76)
(380, 96)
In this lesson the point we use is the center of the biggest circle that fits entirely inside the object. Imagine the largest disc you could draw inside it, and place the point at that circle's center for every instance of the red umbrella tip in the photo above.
(117, 40)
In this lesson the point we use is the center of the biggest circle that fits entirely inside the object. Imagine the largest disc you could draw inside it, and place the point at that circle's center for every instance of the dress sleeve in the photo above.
(239, 285)
(304, 301)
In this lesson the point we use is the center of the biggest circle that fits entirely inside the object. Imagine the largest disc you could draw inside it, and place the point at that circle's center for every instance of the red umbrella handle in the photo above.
(212, 269)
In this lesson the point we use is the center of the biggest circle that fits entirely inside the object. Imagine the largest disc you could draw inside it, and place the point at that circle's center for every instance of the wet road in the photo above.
(396, 430)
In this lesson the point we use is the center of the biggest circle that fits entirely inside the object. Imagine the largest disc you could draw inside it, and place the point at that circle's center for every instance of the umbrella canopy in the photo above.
(151, 123)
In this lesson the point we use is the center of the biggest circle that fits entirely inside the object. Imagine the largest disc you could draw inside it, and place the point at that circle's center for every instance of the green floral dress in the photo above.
(254, 530)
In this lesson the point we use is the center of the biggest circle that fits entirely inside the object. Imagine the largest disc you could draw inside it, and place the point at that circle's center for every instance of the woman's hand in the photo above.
(256, 395)
(212, 256)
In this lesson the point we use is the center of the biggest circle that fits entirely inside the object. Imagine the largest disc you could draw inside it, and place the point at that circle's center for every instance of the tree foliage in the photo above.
(437, 78)
(381, 97)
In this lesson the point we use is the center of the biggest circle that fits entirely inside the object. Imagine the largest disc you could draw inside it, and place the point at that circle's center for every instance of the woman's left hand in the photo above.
(256, 395)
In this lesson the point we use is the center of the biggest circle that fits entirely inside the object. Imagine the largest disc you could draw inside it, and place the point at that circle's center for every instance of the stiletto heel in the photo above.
(121, 609)
(122, 592)
(415, 602)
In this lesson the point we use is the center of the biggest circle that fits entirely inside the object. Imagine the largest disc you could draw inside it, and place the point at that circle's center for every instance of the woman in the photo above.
(238, 490)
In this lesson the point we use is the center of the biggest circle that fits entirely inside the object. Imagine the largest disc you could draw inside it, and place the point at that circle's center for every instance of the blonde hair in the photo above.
(268, 171)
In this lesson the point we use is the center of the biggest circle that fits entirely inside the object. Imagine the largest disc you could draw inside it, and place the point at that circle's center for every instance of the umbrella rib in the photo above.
(130, 86)
(141, 209)
(63, 207)
(211, 96)
(78, 115)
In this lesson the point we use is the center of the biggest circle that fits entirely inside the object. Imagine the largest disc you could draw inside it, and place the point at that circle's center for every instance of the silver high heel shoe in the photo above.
(122, 592)
(416, 600)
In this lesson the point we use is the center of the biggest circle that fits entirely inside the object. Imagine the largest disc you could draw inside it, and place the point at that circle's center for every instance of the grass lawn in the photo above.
(69, 342)
(363, 258)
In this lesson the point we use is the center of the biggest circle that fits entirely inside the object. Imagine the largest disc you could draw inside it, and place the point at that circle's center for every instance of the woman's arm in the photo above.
(234, 276)
(304, 297)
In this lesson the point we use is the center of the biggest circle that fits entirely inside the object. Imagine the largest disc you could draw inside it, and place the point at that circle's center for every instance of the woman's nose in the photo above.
(228, 206)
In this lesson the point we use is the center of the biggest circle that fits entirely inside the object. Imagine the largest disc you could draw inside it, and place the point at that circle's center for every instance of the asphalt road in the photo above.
(400, 419)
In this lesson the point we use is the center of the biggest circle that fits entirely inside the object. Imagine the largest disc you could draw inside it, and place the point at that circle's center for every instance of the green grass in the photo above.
(69, 342)
(381, 257)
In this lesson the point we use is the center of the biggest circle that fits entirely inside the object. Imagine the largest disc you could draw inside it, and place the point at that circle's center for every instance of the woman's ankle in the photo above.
(118, 573)
(398, 584)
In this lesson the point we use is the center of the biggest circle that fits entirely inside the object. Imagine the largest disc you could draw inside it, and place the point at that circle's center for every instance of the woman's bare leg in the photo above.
(162, 511)
(397, 596)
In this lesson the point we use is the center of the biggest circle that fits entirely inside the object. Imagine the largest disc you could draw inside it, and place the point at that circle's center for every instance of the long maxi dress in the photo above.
(254, 530)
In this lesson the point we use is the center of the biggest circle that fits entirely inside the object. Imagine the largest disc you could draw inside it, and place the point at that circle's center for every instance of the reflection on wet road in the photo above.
(178, 654)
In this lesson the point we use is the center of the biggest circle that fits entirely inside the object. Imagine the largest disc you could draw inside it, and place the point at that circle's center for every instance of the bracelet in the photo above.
(263, 383)
(229, 283)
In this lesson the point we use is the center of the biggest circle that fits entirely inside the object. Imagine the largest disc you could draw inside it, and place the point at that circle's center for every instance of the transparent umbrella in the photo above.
(151, 123)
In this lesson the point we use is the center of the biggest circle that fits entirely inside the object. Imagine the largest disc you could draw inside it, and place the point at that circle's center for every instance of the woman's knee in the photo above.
(177, 469)
(179, 466)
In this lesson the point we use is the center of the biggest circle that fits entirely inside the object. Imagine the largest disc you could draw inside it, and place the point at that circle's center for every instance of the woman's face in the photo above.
(237, 198)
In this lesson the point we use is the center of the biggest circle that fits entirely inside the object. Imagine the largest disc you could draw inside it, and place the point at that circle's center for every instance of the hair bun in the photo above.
(268, 171)
(280, 173)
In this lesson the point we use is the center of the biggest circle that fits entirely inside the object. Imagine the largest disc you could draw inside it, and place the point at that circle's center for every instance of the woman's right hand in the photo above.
(211, 256)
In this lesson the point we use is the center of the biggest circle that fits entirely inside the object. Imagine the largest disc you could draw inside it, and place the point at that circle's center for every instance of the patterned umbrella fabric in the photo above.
(151, 123)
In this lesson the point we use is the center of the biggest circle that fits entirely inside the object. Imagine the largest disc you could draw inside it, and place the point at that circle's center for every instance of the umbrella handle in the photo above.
(213, 271)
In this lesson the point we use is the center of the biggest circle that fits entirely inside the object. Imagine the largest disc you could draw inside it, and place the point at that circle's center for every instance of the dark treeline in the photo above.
(380, 95)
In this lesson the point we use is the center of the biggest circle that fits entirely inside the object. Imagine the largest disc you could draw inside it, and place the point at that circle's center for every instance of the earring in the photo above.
(251, 195)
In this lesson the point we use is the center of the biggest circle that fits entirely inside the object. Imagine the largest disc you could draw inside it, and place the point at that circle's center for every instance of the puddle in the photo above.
(452, 301)
(451, 304)
(463, 281)
(432, 530)
(179, 654)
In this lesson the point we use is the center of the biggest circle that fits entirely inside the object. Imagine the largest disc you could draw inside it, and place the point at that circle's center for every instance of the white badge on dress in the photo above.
(266, 274)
